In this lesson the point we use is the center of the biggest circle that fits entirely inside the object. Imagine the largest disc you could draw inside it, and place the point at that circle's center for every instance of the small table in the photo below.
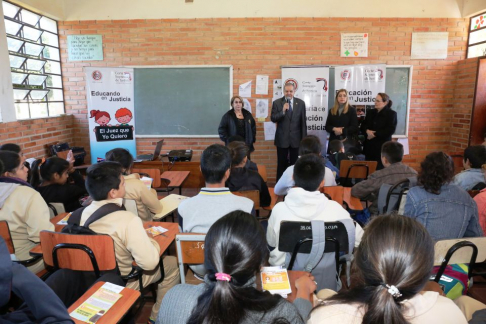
(176, 178)
(353, 202)
(293, 276)
(116, 312)
(169, 204)
(342, 195)
(56, 219)
(336, 193)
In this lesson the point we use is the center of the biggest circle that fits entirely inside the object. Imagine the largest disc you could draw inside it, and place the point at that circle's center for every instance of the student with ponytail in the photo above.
(22, 207)
(50, 178)
(235, 250)
(392, 265)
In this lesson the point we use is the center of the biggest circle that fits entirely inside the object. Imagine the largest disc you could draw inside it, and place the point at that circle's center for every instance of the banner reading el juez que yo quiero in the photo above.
(111, 112)
(311, 86)
(363, 82)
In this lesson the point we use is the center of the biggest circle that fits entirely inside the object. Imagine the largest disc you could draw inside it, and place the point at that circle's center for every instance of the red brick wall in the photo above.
(34, 135)
(466, 74)
(260, 46)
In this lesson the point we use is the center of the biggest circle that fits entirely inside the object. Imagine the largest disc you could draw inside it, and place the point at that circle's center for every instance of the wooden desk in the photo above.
(195, 179)
(57, 219)
(336, 193)
(165, 239)
(342, 195)
(176, 178)
(116, 312)
(169, 205)
(353, 202)
(275, 199)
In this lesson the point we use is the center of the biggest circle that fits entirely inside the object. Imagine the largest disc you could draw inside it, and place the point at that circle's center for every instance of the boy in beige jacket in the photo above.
(106, 184)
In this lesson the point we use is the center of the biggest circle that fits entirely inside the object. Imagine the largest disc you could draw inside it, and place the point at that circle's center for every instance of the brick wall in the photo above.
(34, 135)
(465, 75)
(260, 46)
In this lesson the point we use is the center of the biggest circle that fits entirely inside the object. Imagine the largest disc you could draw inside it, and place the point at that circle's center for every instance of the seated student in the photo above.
(40, 304)
(106, 184)
(336, 153)
(145, 198)
(197, 214)
(480, 200)
(242, 178)
(22, 207)
(235, 250)
(17, 149)
(305, 203)
(393, 172)
(474, 158)
(446, 211)
(392, 266)
(309, 145)
(50, 178)
(249, 163)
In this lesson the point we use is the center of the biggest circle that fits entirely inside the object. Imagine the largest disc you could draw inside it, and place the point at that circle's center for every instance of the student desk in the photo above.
(169, 204)
(176, 178)
(194, 180)
(116, 312)
(342, 195)
(165, 239)
(293, 276)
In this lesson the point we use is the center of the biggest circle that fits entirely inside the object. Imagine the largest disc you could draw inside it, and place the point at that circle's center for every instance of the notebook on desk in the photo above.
(151, 157)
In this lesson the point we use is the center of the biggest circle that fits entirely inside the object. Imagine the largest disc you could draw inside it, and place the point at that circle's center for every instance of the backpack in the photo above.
(392, 197)
(454, 281)
(73, 226)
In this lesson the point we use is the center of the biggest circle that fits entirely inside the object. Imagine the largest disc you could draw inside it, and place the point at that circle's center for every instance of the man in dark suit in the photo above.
(289, 114)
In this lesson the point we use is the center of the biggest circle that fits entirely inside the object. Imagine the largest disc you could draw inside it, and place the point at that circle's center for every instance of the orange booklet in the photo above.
(276, 280)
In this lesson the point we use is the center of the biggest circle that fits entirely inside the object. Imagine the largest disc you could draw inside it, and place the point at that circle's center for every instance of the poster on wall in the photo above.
(111, 113)
(312, 86)
(85, 48)
(363, 83)
(354, 44)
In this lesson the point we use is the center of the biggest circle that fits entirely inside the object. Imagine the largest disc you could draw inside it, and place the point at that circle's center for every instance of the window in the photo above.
(476, 44)
(35, 62)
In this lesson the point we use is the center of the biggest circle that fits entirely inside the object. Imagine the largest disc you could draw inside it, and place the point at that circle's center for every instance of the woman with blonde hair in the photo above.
(342, 121)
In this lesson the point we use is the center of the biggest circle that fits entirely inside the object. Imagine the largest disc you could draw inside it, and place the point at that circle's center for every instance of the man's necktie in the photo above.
(290, 105)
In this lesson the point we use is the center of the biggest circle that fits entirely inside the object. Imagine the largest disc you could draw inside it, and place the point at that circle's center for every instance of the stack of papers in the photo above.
(98, 304)
(156, 230)
(276, 280)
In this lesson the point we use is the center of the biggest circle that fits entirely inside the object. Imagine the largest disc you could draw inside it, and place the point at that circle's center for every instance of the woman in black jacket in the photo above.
(242, 178)
(378, 127)
(238, 121)
(342, 121)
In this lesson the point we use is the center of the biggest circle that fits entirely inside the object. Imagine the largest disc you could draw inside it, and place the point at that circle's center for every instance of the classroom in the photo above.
(446, 101)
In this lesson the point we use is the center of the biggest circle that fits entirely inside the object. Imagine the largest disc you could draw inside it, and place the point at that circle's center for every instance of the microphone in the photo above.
(287, 100)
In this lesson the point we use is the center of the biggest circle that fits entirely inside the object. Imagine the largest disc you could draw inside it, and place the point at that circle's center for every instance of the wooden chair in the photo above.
(253, 195)
(262, 170)
(5, 234)
(350, 169)
(190, 251)
(160, 185)
(470, 250)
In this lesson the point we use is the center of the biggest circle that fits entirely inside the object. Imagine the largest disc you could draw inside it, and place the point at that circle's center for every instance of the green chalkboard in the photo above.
(181, 101)
(397, 87)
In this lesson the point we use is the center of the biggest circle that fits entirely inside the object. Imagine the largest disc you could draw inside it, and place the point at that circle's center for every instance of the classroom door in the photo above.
(478, 117)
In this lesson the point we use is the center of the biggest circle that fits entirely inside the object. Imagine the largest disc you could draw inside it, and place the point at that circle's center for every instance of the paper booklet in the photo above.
(64, 221)
(276, 280)
(156, 230)
(98, 304)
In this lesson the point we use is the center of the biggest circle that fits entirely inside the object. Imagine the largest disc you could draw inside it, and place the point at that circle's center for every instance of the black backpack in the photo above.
(73, 226)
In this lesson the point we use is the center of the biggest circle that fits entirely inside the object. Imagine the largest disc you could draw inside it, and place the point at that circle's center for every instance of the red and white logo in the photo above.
(96, 75)
(380, 71)
(324, 87)
(292, 81)
(346, 75)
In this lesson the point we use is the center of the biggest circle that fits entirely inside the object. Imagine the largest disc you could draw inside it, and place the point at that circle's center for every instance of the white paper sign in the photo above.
(245, 89)
(246, 104)
(277, 88)
(261, 108)
(354, 45)
(261, 84)
(404, 142)
(429, 46)
(363, 82)
(269, 129)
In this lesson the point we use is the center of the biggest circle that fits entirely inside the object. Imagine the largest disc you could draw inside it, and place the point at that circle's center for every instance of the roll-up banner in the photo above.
(363, 83)
(111, 112)
(311, 86)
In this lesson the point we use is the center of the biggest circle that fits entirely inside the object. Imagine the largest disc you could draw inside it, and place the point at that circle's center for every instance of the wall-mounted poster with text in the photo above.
(111, 113)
